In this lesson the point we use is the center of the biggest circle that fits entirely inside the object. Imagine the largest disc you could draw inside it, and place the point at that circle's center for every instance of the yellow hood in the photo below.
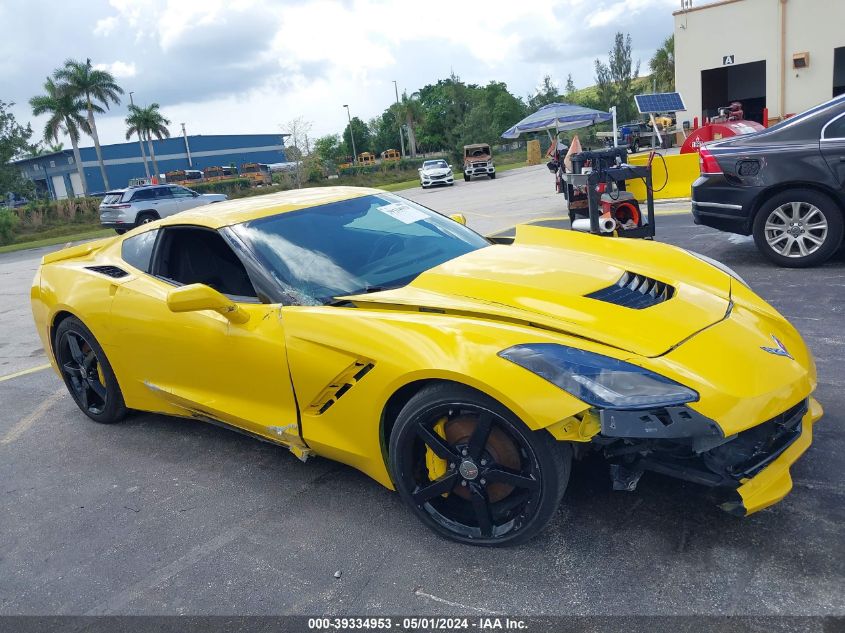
(543, 277)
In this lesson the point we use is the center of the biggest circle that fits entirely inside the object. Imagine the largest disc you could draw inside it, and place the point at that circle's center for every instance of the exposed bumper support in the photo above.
(752, 465)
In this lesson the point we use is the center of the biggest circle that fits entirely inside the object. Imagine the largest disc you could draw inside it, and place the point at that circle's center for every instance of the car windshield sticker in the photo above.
(406, 215)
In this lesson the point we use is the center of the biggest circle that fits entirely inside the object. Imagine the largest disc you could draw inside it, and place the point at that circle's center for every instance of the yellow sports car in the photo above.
(355, 325)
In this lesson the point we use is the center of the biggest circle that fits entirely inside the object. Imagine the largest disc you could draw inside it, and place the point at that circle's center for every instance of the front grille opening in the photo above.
(634, 291)
(755, 448)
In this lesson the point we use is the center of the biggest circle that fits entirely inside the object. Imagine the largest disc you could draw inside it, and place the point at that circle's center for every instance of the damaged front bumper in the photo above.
(752, 466)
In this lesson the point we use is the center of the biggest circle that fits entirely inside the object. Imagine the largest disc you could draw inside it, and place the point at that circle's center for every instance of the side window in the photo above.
(163, 193)
(180, 192)
(143, 194)
(201, 256)
(137, 251)
(835, 129)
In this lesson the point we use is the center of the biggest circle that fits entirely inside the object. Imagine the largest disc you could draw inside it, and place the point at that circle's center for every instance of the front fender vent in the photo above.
(108, 271)
(342, 383)
(635, 291)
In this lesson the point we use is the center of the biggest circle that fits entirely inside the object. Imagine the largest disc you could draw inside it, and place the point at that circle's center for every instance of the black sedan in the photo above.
(784, 185)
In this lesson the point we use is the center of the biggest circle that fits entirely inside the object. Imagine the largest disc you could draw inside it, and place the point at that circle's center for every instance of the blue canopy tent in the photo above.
(560, 117)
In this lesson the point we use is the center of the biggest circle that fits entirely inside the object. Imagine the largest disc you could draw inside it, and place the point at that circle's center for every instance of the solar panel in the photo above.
(660, 102)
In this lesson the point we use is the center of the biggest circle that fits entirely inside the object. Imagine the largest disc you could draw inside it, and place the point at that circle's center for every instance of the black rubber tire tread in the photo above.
(115, 409)
(554, 457)
(139, 219)
(831, 211)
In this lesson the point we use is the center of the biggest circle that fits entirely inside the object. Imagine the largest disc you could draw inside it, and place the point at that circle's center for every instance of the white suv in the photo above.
(124, 209)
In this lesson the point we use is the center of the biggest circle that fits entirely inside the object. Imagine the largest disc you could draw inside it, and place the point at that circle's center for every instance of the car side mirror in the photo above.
(195, 194)
(459, 218)
(450, 166)
(195, 297)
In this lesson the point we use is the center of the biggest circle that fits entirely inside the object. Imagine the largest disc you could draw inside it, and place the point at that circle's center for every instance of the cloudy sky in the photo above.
(243, 66)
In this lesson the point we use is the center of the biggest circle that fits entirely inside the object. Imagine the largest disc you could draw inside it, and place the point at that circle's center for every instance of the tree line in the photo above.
(441, 116)
(451, 113)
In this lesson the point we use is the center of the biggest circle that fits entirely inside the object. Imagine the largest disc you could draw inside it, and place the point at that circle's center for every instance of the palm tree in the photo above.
(662, 65)
(65, 116)
(148, 123)
(135, 125)
(94, 87)
(410, 111)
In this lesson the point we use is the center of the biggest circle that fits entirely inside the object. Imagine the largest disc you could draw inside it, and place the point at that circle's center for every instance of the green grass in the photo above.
(38, 241)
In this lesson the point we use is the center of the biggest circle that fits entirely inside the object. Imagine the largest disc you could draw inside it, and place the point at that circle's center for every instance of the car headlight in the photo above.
(725, 269)
(599, 380)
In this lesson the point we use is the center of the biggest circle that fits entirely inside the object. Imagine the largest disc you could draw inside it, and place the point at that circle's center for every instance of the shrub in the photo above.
(229, 186)
(8, 223)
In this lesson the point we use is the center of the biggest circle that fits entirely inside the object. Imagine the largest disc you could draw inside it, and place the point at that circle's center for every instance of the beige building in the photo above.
(783, 56)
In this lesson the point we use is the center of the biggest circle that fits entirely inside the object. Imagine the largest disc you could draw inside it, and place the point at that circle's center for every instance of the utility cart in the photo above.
(597, 200)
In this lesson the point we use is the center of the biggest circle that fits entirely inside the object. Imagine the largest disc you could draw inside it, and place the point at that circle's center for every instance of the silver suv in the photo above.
(124, 209)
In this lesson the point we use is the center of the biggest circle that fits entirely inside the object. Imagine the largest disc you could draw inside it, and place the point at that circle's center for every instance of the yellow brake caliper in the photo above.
(436, 466)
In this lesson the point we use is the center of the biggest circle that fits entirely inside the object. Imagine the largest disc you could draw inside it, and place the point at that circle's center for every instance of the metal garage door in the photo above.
(59, 187)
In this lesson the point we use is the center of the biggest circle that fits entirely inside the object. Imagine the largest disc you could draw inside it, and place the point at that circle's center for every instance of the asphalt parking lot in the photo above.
(159, 515)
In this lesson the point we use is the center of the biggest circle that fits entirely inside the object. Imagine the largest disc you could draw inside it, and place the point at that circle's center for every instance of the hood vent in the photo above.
(109, 271)
(635, 291)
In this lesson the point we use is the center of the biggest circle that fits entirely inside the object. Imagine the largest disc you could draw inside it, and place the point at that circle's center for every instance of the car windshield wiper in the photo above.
(365, 290)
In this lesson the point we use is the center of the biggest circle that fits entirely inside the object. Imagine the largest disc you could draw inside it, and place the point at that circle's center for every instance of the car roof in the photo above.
(244, 209)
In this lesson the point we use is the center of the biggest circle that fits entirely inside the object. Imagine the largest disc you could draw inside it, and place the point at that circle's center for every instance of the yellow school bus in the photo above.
(390, 154)
(366, 158)
(258, 173)
(213, 174)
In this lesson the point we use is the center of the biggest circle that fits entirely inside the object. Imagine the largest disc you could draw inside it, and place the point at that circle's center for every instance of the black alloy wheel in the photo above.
(87, 373)
(498, 482)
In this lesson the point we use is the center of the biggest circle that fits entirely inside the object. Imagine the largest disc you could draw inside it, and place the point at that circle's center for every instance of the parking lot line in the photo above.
(24, 372)
(20, 428)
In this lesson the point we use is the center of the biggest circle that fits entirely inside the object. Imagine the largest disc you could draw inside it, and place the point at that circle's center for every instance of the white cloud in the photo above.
(105, 26)
(121, 70)
(241, 66)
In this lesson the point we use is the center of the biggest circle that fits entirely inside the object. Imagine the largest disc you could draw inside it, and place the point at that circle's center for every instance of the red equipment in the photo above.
(716, 131)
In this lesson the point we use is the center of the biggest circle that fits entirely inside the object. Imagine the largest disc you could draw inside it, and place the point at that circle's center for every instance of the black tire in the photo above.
(527, 471)
(806, 216)
(492, 176)
(87, 373)
(145, 217)
(423, 186)
(466, 178)
(120, 231)
(635, 146)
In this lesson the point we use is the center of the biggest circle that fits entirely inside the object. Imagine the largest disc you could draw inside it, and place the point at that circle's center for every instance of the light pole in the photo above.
(401, 138)
(187, 147)
(140, 141)
(351, 135)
